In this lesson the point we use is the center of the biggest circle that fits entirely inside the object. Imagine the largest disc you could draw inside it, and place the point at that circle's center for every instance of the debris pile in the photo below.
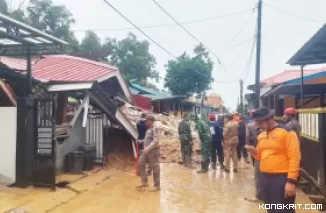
(169, 139)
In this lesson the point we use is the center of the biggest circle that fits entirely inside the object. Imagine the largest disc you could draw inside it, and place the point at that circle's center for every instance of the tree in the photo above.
(132, 57)
(91, 45)
(190, 75)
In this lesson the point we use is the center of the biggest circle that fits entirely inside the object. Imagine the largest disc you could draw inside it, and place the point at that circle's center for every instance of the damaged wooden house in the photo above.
(51, 105)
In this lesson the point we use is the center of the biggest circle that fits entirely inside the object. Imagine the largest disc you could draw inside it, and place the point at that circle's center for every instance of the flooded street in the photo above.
(182, 190)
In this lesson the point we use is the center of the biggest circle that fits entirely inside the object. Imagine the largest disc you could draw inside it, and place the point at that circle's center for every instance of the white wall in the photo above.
(8, 130)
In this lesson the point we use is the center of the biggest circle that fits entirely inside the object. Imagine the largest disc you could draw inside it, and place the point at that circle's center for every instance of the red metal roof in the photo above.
(63, 68)
(14, 63)
(288, 75)
(69, 68)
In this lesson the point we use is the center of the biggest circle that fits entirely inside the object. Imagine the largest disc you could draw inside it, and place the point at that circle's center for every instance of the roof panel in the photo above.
(63, 68)
(308, 53)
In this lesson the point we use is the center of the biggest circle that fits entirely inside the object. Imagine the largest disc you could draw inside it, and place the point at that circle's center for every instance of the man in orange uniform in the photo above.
(279, 153)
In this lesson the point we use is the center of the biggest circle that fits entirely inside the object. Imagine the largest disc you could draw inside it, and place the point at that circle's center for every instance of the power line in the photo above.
(116, 10)
(241, 29)
(190, 34)
(248, 65)
(291, 14)
(166, 25)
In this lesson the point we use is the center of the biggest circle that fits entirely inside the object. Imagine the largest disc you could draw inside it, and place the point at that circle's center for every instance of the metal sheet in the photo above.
(94, 134)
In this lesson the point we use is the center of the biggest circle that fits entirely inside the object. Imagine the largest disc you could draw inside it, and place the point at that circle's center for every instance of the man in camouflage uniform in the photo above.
(186, 140)
(205, 143)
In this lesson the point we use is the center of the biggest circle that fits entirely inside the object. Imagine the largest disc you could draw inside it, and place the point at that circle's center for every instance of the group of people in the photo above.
(274, 147)
(222, 138)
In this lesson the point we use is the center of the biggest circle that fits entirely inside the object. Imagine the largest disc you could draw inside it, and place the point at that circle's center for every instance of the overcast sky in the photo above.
(282, 34)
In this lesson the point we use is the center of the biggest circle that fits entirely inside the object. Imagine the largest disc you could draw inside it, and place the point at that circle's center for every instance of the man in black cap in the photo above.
(279, 154)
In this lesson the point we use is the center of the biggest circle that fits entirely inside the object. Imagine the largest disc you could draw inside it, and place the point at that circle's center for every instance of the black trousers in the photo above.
(217, 151)
(241, 149)
(272, 191)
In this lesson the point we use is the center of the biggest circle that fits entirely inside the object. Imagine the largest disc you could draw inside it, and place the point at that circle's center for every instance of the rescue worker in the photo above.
(291, 121)
(252, 132)
(186, 140)
(231, 142)
(279, 153)
(217, 138)
(142, 128)
(205, 143)
(151, 154)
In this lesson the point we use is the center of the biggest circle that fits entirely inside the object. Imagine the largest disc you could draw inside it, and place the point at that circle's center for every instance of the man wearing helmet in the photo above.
(291, 121)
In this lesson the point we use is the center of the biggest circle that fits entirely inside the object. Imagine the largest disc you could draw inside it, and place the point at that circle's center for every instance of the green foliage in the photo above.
(132, 57)
(189, 75)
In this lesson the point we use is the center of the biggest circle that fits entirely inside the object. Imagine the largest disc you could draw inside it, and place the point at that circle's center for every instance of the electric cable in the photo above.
(166, 25)
(145, 34)
(194, 37)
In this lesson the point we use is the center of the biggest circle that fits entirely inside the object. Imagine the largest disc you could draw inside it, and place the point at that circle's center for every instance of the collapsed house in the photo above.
(99, 91)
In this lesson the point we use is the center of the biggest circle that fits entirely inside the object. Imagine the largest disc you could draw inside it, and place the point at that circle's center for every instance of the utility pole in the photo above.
(258, 47)
(241, 96)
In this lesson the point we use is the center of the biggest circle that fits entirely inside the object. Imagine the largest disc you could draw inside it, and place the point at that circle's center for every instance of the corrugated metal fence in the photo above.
(94, 134)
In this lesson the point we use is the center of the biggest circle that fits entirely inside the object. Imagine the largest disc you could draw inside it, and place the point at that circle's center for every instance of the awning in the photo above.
(310, 89)
(312, 52)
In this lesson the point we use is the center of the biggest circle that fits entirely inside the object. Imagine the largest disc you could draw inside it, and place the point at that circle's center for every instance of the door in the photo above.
(45, 146)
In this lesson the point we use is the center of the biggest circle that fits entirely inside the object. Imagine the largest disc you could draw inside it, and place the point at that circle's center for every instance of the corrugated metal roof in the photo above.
(288, 75)
(69, 68)
(63, 68)
(14, 63)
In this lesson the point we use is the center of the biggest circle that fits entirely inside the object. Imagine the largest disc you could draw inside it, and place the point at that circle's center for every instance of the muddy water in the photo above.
(182, 190)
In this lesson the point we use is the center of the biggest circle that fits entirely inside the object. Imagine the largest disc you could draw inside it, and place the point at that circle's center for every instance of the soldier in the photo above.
(291, 121)
(186, 140)
(231, 142)
(151, 154)
(205, 143)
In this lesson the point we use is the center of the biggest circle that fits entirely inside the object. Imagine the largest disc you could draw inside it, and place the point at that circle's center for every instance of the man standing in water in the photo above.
(151, 155)
(231, 142)
(278, 150)
(217, 138)
(205, 143)
(186, 140)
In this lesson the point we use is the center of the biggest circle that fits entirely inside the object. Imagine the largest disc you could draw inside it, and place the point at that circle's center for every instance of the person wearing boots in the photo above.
(217, 138)
(205, 143)
(231, 142)
(186, 140)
